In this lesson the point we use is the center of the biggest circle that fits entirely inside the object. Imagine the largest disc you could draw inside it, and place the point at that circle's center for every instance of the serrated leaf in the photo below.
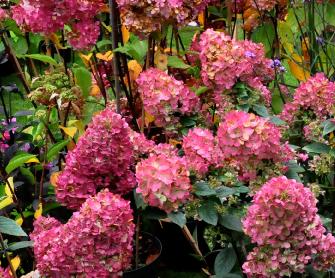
(317, 148)
(224, 262)
(10, 227)
(55, 149)
(202, 189)
(208, 212)
(18, 161)
(178, 218)
(40, 57)
(20, 245)
(231, 222)
(177, 63)
(260, 110)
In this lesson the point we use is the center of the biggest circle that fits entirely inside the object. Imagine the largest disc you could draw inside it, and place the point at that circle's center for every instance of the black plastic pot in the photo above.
(150, 270)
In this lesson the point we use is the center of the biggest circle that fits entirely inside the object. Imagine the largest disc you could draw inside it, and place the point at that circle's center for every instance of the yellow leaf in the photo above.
(174, 142)
(108, 56)
(86, 58)
(71, 145)
(9, 187)
(78, 124)
(54, 178)
(16, 262)
(125, 34)
(19, 221)
(148, 118)
(161, 61)
(6, 202)
(70, 131)
(95, 91)
(297, 69)
(201, 18)
(55, 39)
(107, 27)
(39, 211)
(33, 160)
(135, 68)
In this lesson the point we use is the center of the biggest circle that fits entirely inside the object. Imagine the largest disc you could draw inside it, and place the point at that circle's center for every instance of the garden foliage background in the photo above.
(209, 124)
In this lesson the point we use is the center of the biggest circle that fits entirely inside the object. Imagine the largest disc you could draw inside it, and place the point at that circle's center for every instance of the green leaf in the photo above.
(277, 121)
(292, 165)
(55, 149)
(208, 212)
(10, 227)
(177, 63)
(264, 34)
(178, 218)
(40, 57)
(83, 79)
(139, 200)
(28, 175)
(103, 43)
(201, 90)
(20, 245)
(225, 191)
(18, 161)
(224, 262)
(329, 126)
(260, 110)
(231, 222)
(317, 148)
(20, 46)
(202, 189)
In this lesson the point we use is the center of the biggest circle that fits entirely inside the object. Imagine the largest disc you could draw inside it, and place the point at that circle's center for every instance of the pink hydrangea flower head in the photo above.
(200, 150)
(102, 159)
(316, 94)
(265, 5)
(3, 14)
(96, 241)
(47, 17)
(163, 180)
(224, 61)
(5, 272)
(284, 224)
(247, 139)
(163, 96)
(144, 17)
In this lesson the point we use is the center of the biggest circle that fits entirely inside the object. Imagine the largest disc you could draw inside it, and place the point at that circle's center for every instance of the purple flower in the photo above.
(249, 54)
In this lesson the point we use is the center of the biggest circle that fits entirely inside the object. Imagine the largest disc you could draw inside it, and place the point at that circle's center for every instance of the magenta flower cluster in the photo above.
(47, 17)
(96, 242)
(246, 139)
(317, 94)
(225, 61)
(146, 16)
(102, 159)
(200, 150)
(163, 181)
(284, 224)
(163, 96)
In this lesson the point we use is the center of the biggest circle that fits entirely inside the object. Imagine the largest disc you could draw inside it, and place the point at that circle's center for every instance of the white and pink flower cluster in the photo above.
(284, 224)
(243, 140)
(225, 61)
(317, 94)
(163, 181)
(96, 242)
(102, 158)
(46, 17)
(163, 96)
(146, 16)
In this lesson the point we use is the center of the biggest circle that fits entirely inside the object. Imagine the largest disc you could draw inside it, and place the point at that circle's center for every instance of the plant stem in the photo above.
(7, 256)
(137, 239)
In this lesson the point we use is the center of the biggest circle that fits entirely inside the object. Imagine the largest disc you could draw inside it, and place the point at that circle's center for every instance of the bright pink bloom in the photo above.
(317, 94)
(5, 273)
(96, 242)
(225, 61)
(163, 180)
(283, 222)
(200, 150)
(102, 159)
(163, 96)
(246, 139)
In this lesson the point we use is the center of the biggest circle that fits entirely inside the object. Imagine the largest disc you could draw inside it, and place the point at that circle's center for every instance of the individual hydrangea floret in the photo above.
(284, 224)
(246, 139)
(102, 159)
(200, 150)
(163, 181)
(225, 61)
(163, 96)
(96, 242)
(317, 94)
